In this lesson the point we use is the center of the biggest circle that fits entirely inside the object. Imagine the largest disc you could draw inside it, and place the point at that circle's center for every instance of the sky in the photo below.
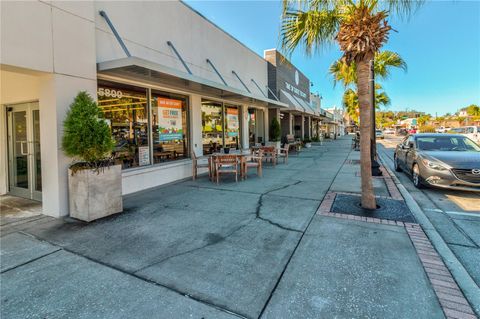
(440, 43)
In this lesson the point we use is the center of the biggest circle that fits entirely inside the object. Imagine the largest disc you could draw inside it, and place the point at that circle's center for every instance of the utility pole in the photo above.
(373, 139)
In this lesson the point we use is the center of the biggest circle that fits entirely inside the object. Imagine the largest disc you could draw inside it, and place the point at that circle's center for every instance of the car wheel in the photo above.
(396, 165)
(417, 182)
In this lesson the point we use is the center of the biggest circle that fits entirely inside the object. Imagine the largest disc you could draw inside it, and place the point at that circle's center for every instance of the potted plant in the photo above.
(94, 182)
(275, 132)
(307, 142)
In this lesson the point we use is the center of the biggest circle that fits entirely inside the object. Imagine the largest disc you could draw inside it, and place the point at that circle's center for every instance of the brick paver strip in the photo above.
(451, 298)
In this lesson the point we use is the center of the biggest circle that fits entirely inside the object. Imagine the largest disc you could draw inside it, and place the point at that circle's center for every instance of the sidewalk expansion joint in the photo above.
(152, 282)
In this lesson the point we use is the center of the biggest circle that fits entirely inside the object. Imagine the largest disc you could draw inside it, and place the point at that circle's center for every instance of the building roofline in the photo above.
(218, 27)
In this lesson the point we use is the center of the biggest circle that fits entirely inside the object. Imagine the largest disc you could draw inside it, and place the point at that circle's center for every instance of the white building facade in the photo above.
(169, 83)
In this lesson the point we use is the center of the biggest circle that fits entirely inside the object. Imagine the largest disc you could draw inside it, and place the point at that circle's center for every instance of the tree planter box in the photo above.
(94, 195)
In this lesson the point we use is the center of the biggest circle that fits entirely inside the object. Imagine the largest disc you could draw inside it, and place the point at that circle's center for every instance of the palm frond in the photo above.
(310, 25)
(385, 61)
(402, 8)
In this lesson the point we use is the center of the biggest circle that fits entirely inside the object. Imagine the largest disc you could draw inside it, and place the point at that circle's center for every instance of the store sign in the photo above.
(169, 119)
(232, 122)
(103, 92)
(295, 90)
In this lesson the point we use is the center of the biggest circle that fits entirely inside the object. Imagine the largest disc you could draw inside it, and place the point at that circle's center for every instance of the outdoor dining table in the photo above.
(243, 155)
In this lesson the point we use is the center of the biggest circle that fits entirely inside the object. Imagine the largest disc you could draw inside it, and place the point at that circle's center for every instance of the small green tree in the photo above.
(275, 130)
(86, 138)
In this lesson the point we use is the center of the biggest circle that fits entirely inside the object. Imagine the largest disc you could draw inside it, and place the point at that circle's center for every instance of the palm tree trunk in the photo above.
(368, 195)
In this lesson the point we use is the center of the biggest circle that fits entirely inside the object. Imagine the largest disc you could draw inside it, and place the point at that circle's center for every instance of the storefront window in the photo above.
(220, 126)
(169, 127)
(125, 109)
(251, 127)
(232, 127)
(212, 127)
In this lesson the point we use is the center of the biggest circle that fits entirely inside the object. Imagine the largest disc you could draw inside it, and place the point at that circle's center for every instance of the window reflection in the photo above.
(212, 127)
(169, 127)
(125, 109)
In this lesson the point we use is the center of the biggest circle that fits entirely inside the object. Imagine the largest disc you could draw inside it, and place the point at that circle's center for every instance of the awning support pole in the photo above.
(216, 71)
(115, 33)
(246, 88)
(271, 92)
(170, 44)
(258, 87)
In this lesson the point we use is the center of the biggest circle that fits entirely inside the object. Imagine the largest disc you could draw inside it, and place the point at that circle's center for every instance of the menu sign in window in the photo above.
(143, 156)
(169, 119)
(232, 121)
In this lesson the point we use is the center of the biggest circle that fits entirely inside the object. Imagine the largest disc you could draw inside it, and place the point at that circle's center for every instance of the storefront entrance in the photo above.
(24, 162)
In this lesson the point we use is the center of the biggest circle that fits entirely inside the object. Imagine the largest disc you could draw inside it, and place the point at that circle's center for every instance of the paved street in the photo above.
(455, 214)
(257, 248)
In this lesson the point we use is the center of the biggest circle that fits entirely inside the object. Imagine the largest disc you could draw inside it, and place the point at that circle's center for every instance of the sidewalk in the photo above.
(265, 247)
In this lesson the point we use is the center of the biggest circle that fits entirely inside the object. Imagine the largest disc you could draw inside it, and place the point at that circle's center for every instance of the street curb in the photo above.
(461, 276)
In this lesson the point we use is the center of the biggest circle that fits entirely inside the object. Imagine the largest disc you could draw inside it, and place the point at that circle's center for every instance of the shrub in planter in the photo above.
(275, 133)
(94, 182)
(275, 130)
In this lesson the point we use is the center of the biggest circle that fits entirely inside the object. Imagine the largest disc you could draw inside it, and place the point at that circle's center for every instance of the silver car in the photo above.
(440, 160)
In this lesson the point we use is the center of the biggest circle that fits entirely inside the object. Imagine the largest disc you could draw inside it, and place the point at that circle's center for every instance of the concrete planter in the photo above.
(94, 195)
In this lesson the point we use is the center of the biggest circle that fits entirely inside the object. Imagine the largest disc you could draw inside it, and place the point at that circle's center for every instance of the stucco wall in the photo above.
(146, 27)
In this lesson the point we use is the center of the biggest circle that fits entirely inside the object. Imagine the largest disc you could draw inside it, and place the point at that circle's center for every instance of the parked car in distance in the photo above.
(440, 160)
(388, 131)
(379, 134)
(456, 130)
(443, 129)
(472, 132)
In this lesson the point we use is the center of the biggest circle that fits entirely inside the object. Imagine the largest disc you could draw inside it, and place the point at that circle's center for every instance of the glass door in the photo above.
(24, 162)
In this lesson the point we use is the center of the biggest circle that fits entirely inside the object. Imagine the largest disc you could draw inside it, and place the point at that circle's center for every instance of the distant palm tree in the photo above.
(384, 61)
(360, 28)
(347, 75)
(350, 101)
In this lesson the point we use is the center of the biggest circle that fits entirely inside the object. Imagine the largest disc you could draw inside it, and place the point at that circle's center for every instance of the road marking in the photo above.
(452, 212)
(464, 214)
(434, 210)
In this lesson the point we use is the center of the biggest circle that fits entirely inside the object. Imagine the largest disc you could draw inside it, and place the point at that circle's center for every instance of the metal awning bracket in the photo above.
(246, 88)
(115, 33)
(170, 44)
(258, 87)
(216, 71)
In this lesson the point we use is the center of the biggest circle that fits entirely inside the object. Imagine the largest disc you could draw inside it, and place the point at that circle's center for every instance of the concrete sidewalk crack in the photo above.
(260, 205)
(194, 249)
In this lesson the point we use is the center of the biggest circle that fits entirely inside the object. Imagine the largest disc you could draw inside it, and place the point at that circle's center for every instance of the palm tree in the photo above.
(384, 61)
(360, 28)
(350, 101)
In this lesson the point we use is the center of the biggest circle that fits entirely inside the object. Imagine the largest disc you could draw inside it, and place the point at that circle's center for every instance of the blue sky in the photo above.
(440, 43)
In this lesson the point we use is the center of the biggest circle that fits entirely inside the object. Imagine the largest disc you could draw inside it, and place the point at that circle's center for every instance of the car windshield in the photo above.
(447, 143)
(379, 132)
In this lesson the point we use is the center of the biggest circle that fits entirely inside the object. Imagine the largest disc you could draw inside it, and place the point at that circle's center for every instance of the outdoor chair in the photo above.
(292, 143)
(270, 154)
(199, 162)
(253, 161)
(226, 164)
(282, 152)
